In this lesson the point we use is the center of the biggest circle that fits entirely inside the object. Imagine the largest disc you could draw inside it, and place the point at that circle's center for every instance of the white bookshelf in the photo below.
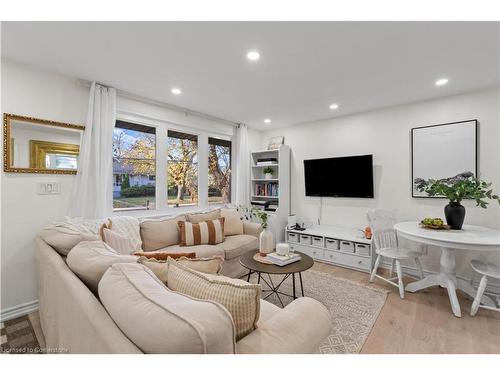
(280, 180)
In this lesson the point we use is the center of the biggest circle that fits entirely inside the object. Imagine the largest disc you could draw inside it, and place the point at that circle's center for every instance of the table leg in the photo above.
(446, 278)
(301, 285)
(258, 280)
(293, 283)
(248, 278)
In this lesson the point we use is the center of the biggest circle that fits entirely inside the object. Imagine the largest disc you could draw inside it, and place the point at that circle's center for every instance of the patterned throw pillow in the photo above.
(211, 265)
(209, 232)
(240, 298)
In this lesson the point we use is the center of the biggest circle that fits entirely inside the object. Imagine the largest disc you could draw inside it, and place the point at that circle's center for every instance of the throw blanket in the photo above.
(127, 225)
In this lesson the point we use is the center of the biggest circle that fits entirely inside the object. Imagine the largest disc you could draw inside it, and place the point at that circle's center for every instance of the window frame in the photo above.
(231, 164)
(161, 132)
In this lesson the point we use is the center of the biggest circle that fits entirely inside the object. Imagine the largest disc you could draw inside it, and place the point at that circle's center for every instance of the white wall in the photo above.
(385, 133)
(32, 92)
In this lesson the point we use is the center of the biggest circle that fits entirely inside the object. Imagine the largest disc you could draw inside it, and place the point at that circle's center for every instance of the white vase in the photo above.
(268, 176)
(266, 242)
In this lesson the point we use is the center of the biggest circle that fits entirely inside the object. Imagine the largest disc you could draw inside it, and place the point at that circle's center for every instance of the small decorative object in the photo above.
(434, 223)
(445, 151)
(266, 241)
(455, 191)
(368, 233)
(282, 249)
(259, 258)
(275, 143)
(268, 173)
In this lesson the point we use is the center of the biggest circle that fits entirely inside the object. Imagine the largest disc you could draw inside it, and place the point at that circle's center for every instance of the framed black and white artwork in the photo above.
(443, 152)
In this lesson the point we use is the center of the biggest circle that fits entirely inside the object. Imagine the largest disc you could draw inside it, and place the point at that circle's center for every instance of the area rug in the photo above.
(18, 337)
(354, 308)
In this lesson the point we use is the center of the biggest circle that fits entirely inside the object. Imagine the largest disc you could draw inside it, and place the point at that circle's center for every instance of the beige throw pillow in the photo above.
(240, 298)
(205, 216)
(232, 222)
(206, 265)
(159, 233)
(117, 241)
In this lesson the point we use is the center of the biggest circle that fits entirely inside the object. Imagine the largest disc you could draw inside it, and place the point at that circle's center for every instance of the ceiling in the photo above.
(304, 66)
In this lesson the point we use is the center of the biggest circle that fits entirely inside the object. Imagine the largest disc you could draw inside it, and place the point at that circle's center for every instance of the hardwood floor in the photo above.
(421, 323)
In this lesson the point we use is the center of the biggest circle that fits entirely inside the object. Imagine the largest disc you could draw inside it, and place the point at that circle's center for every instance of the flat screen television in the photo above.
(348, 176)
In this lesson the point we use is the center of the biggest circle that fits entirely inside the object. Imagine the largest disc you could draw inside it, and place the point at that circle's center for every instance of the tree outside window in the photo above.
(182, 169)
(134, 166)
(219, 171)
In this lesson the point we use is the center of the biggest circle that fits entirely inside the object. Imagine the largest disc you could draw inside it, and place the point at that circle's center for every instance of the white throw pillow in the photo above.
(118, 242)
(232, 222)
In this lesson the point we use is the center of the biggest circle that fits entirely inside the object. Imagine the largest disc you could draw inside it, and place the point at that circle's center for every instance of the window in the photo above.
(134, 166)
(219, 171)
(182, 169)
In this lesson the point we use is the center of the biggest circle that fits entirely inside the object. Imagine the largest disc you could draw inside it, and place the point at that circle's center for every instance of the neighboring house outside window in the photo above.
(134, 166)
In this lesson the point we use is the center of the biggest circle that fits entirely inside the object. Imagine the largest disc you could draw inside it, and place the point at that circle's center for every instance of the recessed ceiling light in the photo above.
(267, 120)
(334, 106)
(176, 91)
(253, 55)
(441, 82)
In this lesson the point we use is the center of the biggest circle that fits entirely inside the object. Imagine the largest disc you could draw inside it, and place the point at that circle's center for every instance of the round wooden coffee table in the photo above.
(247, 261)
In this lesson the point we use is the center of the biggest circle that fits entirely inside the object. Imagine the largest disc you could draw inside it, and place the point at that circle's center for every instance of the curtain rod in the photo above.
(128, 95)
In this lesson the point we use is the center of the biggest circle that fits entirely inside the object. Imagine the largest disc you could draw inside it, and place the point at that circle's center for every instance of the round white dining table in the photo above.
(469, 238)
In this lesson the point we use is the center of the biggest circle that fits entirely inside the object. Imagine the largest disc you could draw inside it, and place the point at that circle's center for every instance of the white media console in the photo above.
(346, 247)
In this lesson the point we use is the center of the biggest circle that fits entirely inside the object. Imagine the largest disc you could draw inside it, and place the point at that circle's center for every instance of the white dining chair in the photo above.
(485, 270)
(386, 246)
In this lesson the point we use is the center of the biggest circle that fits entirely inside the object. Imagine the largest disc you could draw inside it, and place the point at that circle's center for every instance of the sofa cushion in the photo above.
(232, 223)
(159, 320)
(234, 246)
(159, 233)
(205, 216)
(201, 251)
(206, 265)
(129, 227)
(240, 298)
(267, 311)
(90, 259)
(64, 240)
(209, 232)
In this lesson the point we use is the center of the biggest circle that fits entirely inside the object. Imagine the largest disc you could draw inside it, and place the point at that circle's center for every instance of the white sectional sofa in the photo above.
(74, 319)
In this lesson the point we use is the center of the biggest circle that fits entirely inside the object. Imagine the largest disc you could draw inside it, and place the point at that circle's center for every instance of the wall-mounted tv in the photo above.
(348, 176)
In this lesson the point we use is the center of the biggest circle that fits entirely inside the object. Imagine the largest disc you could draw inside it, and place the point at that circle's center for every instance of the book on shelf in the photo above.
(283, 260)
(269, 189)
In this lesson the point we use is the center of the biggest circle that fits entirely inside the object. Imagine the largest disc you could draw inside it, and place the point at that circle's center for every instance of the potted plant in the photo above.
(457, 190)
(268, 173)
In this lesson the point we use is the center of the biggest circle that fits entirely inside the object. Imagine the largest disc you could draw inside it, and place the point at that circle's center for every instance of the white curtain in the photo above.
(242, 166)
(92, 193)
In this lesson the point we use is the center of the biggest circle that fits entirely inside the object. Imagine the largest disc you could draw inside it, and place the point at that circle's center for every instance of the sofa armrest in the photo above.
(252, 229)
(299, 328)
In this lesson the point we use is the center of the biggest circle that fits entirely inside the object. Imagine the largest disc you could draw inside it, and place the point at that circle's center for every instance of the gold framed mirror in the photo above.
(33, 145)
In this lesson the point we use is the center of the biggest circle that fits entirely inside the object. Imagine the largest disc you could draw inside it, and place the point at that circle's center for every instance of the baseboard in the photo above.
(19, 310)
(493, 288)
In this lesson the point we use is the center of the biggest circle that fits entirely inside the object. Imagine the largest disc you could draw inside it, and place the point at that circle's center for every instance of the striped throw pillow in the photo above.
(209, 232)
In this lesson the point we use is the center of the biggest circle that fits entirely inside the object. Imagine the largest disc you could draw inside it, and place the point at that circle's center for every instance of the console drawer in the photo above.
(292, 237)
(317, 241)
(362, 249)
(346, 246)
(348, 260)
(308, 250)
(305, 239)
(331, 243)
